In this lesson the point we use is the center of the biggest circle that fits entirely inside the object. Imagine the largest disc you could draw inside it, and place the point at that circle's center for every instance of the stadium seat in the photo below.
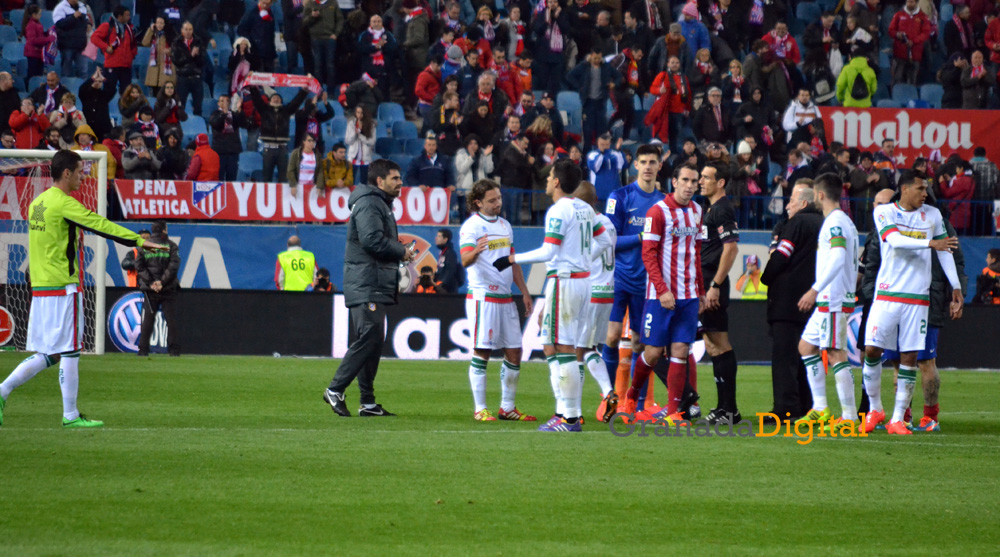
(918, 103)
(16, 18)
(774, 169)
(904, 93)
(72, 83)
(946, 11)
(932, 93)
(250, 161)
(193, 126)
(338, 110)
(387, 146)
(208, 106)
(383, 129)
(338, 126)
(46, 20)
(7, 34)
(35, 83)
(5, 65)
(808, 12)
(828, 4)
(402, 160)
(287, 93)
(391, 112)
(14, 52)
(404, 130)
(568, 101)
(414, 146)
(888, 103)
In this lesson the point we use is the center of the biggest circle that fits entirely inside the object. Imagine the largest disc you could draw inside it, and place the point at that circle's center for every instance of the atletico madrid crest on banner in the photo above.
(209, 197)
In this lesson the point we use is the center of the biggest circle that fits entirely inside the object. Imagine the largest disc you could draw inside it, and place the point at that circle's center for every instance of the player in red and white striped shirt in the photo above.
(671, 244)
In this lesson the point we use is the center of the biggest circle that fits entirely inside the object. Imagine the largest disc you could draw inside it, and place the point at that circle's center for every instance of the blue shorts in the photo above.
(928, 353)
(634, 303)
(662, 327)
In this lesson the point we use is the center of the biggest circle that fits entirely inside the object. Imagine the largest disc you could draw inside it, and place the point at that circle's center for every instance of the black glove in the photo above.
(502, 263)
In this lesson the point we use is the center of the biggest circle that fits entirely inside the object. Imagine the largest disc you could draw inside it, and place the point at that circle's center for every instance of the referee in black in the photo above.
(718, 253)
(371, 279)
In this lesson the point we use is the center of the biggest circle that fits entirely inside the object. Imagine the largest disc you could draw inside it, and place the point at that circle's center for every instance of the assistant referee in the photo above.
(371, 280)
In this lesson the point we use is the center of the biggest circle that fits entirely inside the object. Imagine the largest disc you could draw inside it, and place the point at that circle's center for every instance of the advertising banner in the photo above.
(268, 202)
(916, 131)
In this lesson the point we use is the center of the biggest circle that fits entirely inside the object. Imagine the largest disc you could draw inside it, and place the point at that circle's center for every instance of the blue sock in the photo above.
(610, 357)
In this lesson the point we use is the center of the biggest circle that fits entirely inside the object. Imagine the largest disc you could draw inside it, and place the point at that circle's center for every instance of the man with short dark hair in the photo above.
(988, 282)
(593, 79)
(371, 279)
(116, 38)
(158, 280)
(430, 169)
(449, 269)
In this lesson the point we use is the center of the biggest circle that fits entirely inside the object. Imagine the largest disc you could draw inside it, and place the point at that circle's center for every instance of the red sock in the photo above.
(639, 376)
(676, 378)
(692, 375)
(931, 412)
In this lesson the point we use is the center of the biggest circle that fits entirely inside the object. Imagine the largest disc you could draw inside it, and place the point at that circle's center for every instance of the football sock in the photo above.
(509, 375)
(640, 377)
(69, 382)
(692, 374)
(553, 362)
(610, 357)
(369, 406)
(931, 412)
(817, 380)
(477, 379)
(642, 387)
(570, 378)
(597, 369)
(844, 377)
(724, 367)
(24, 371)
(676, 377)
(623, 373)
(872, 375)
(904, 391)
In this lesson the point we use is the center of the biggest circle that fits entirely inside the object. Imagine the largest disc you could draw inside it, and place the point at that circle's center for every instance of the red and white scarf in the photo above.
(377, 58)
(265, 14)
(962, 30)
(414, 14)
(780, 46)
(717, 14)
(978, 71)
(553, 34)
(519, 26)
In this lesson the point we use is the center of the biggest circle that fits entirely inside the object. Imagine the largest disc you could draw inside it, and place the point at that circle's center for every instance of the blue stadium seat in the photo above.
(46, 20)
(338, 110)
(402, 160)
(932, 93)
(193, 126)
(904, 93)
(16, 18)
(35, 83)
(250, 161)
(808, 12)
(383, 129)
(7, 34)
(404, 130)
(946, 11)
(387, 146)
(888, 103)
(5, 65)
(14, 51)
(414, 147)
(828, 4)
(918, 103)
(391, 112)
(338, 126)
(287, 93)
(72, 83)
(774, 169)
(208, 106)
(568, 101)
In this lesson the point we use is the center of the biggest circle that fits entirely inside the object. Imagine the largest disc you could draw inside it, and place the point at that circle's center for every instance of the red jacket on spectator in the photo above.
(679, 97)
(508, 80)
(28, 130)
(205, 162)
(917, 28)
(35, 39)
(960, 188)
(484, 48)
(785, 48)
(124, 47)
(428, 85)
(993, 40)
(116, 147)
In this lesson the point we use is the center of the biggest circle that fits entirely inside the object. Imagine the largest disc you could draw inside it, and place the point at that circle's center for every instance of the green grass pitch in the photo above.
(239, 456)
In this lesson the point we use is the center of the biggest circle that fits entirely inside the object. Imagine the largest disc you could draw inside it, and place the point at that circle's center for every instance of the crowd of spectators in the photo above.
(484, 81)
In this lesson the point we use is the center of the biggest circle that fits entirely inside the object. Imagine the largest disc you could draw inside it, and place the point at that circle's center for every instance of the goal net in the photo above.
(24, 174)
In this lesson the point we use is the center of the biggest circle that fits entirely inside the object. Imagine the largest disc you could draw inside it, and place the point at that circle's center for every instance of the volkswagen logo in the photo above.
(125, 322)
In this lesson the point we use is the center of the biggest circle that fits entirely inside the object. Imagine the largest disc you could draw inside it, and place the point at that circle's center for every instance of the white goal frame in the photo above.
(101, 254)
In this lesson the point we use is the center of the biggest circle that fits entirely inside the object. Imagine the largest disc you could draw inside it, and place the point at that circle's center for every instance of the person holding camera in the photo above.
(427, 283)
(372, 256)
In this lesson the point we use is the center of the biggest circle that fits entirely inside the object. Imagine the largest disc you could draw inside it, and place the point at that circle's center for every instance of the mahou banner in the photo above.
(917, 131)
(257, 201)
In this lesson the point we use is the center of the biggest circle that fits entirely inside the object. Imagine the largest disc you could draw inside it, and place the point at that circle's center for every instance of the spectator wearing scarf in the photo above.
(550, 27)
(258, 26)
(116, 38)
(379, 52)
(160, 67)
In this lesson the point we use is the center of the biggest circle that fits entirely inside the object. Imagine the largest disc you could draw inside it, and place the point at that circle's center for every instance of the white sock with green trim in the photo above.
(844, 377)
(23, 373)
(598, 370)
(904, 391)
(872, 376)
(509, 374)
(817, 380)
(554, 372)
(477, 378)
(69, 383)
(570, 382)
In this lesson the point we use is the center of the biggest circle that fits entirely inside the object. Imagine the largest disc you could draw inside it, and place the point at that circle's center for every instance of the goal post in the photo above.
(33, 165)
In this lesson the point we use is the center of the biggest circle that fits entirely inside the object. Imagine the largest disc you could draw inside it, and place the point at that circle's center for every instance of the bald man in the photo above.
(296, 268)
(10, 99)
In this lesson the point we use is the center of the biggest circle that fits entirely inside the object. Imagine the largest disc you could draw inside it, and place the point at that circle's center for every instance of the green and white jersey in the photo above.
(55, 221)
(571, 225)
(905, 274)
(838, 232)
(485, 281)
(602, 269)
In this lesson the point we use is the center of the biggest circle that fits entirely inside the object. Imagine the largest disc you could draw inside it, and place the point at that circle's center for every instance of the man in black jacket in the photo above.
(449, 269)
(71, 19)
(371, 279)
(189, 61)
(10, 99)
(790, 272)
(225, 124)
(275, 123)
(49, 95)
(96, 97)
(157, 273)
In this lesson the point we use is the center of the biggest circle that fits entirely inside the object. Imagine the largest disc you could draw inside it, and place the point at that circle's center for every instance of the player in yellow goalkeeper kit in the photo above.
(55, 324)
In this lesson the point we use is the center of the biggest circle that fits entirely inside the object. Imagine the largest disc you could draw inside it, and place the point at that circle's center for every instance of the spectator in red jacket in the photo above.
(675, 100)
(909, 30)
(205, 162)
(28, 125)
(116, 38)
(508, 79)
(115, 142)
(992, 39)
(36, 39)
(959, 189)
(428, 85)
